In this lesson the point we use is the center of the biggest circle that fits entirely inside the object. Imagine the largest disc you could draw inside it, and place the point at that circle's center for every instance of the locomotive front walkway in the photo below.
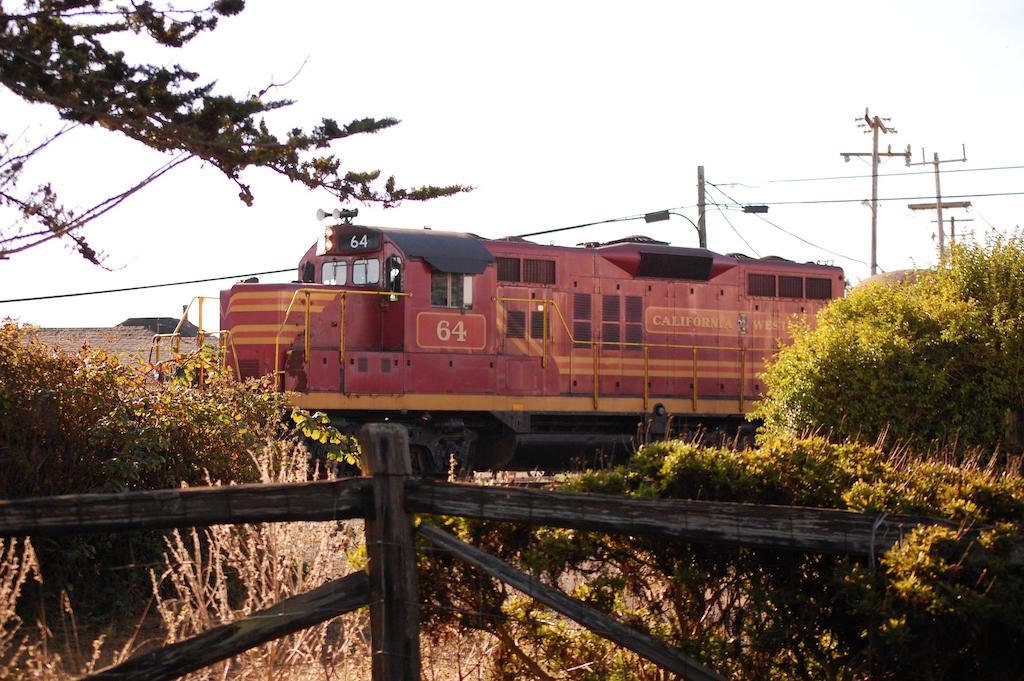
(387, 498)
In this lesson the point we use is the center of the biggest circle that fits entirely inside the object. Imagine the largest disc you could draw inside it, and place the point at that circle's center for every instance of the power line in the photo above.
(881, 198)
(290, 269)
(800, 238)
(627, 218)
(585, 224)
(786, 231)
(733, 227)
(729, 222)
(146, 286)
(861, 177)
(985, 220)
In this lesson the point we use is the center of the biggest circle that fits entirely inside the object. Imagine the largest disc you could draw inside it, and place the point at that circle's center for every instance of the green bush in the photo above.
(84, 422)
(936, 359)
(937, 606)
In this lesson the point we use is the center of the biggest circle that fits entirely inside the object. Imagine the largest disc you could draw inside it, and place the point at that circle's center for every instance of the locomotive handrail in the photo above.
(184, 318)
(176, 334)
(225, 340)
(308, 292)
(228, 343)
(596, 345)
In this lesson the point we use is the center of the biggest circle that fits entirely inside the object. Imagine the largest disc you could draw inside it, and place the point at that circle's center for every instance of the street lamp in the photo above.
(662, 215)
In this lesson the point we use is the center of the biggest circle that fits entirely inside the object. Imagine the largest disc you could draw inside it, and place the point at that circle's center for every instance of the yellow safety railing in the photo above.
(225, 341)
(596, 351)
(307, 294)
(176, 334)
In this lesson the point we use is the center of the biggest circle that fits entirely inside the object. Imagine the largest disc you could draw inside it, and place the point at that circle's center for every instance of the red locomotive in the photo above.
(493, 348)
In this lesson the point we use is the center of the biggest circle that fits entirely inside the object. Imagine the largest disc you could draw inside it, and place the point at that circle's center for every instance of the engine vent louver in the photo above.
(761, 285)
(819, 289)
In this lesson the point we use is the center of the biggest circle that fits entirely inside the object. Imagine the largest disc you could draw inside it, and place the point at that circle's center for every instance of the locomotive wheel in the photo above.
(423, 461)
(745, 438)
(493, 453)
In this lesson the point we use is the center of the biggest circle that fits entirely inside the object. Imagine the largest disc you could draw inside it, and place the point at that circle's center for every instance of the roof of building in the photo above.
(131, 340)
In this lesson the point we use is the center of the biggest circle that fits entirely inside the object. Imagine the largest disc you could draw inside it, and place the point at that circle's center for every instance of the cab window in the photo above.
(365, 272)
(334, 273)
(451, 289)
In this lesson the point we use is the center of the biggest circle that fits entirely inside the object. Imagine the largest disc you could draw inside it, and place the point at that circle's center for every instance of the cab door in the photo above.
(519, 350)
(392, 306)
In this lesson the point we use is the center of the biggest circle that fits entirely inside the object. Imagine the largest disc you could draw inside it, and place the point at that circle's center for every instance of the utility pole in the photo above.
(952, 223)
(702, 233)
(939, 205)
(874, 125)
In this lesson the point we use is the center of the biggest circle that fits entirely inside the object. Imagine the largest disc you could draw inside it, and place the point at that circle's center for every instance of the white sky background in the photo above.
(558, 114)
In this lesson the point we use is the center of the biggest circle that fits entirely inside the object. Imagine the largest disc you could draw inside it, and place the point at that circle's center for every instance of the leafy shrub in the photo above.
(939, 358)
(84, 422)
(332, 448)
(939, 605)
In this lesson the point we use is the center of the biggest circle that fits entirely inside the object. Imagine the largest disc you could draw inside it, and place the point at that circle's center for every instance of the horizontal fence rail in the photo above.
(229, 504)
(755, 525)
(219, 643)
(790, 527)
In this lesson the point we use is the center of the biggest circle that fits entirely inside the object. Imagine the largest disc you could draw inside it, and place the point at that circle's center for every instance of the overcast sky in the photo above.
(560, 114)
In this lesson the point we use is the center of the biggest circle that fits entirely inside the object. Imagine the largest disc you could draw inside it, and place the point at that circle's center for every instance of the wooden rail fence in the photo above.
(387, 498)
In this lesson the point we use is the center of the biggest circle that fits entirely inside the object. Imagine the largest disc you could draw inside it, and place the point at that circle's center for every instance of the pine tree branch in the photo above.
(56, 55)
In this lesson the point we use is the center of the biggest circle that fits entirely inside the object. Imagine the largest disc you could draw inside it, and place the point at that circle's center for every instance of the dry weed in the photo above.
(454, 655)
(225, 573)
(222, 574)
(17, 567)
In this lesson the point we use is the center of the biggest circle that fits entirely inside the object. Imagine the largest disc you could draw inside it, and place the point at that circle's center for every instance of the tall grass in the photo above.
(18, 566)
(222, 574)
(227, 572)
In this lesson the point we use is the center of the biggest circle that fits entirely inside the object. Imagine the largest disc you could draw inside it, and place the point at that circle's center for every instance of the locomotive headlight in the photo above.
(328, 240)
(325, 244)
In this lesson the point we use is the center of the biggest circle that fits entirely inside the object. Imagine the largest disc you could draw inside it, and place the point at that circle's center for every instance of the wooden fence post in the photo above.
(390, 547)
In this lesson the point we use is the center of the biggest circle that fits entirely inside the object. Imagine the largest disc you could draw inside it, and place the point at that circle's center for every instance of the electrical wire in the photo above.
(860, 177)
(991, 226)
(290, 269)
(145, 286)
(733, 227)
(809, 243)
(627, 218)
(881, 198)
(786, 231)
(585, 224)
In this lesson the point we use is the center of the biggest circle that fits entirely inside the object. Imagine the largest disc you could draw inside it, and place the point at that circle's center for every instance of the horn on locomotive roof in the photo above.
(345, 214)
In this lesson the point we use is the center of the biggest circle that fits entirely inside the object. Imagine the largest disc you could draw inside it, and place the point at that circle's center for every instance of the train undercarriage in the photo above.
(444, 443)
